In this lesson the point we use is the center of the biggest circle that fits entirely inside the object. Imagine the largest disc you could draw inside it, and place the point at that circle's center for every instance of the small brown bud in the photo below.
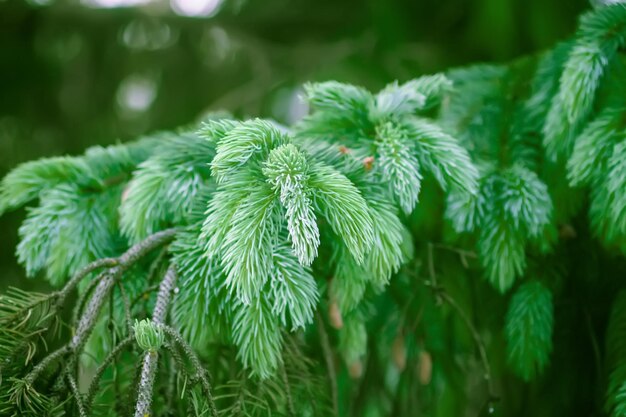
(355, 369)
(425, 367)
(398, 353)
(344, 150)
(334, 315)
(368, 163)
(567, 231)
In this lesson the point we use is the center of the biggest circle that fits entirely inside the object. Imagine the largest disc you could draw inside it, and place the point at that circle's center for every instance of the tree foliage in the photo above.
(262, 254)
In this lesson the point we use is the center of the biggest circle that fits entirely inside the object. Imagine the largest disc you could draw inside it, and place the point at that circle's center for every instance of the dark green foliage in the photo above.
(529, 325)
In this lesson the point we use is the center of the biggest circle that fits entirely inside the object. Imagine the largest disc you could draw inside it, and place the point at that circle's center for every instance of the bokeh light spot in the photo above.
(136, 94)
(199, 8)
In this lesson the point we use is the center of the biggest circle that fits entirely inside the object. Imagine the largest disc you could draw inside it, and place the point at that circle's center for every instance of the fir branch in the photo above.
(80, 275)
(614, 357)
(200, 373)
(150, 358)
(330, 362)
(529, 324)
(345, 209)
(256, 332)
(76, 393)
(443, 296)
(87, 321)
(97, 376)
(25, 182)
(287, 169)
(164, 187)
(441, 154)
(351, 101)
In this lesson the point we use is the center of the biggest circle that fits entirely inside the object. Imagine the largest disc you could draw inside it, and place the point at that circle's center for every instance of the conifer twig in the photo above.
(95, 381)
(201, 374)
(127, 312)
(85, 325)
(442, 295)
(71, 284)
(76, 393)
(290, 407)
(330, 365)
(87, 321)
(45, 362)
(151, 357)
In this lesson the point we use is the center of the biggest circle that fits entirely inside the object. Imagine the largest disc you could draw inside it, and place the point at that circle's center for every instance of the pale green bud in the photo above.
(149, 335)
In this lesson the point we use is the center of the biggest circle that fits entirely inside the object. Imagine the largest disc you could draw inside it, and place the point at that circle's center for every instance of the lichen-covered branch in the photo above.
(130, 257)
(151, 357)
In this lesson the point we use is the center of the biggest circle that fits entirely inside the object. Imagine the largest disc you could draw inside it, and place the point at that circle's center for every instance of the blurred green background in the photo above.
(78, 73)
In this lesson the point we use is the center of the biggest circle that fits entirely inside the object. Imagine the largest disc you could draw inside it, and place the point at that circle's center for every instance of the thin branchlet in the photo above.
(200, 373)
(151, 357)
(95, 381)
(330, 362)
(88, 319)
(78, 398)
(129, 258)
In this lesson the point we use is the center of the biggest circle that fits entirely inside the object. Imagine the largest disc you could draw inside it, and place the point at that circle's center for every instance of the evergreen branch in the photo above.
(88, 319)
(146, 382)
(257, 334)
(84, 297)
(24, 316)
(600, 34)
(110, 358)
(86, 270)
(251, 141)
(528, 330)
(200, 373)
(351, 101)
(398, 166)
(150, 359)
(442, 155)
(397, 100)
(345, 209)
(291, 411)
(127, 310)
(594, 146)
(164, 187)
(442, 295)
(47, 361)
(287, 170)
(76, 393)
(25, 182)
(330, 362)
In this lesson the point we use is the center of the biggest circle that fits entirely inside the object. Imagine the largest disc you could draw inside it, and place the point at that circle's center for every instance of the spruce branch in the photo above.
(110, 358)
(127, 308)
(330, 362)
(88, 319)
(529, 326)
(47, 361)
(200, 374)
(76, 393)
(129, 258)
(151, 356)
(291, 411)
(442, 296)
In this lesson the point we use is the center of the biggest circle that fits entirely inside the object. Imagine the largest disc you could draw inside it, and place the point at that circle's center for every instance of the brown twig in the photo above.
(442, 296)
(330, 364)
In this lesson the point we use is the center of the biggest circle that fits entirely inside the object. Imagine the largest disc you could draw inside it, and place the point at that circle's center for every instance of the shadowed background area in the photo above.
(76, 74)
